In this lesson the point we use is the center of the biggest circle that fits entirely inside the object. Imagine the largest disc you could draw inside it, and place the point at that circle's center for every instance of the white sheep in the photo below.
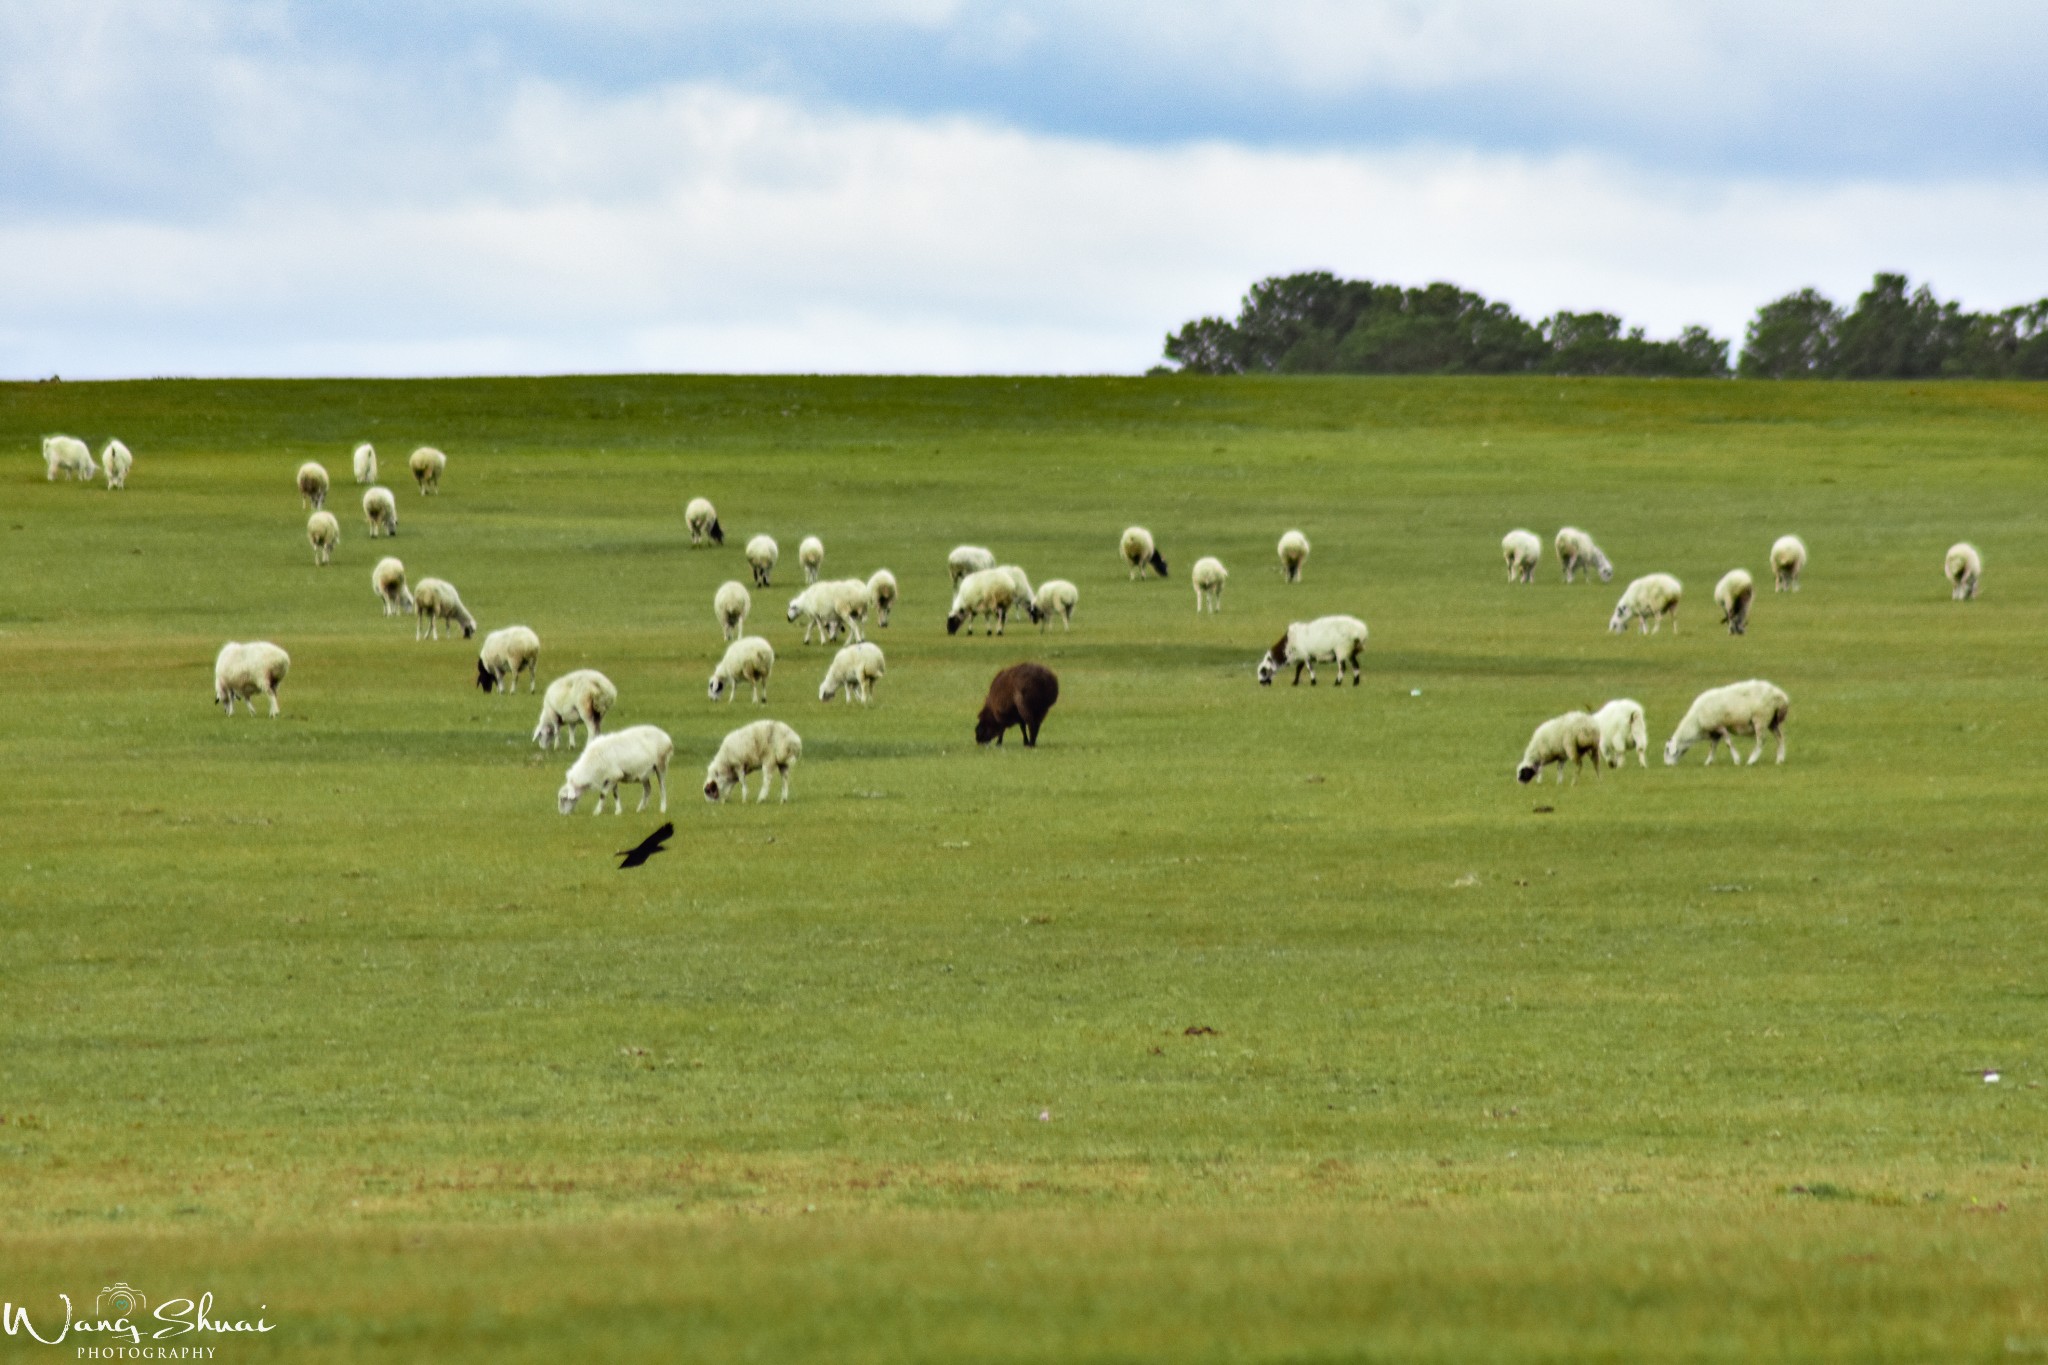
(427, 465)
(810, 553)
(243, 670)
(702, 519)
(766, 746)
(1733, 595)
(1327, 639)
(366, 463)
(749, 659)
(323, 532)
(434, 601)
(1293, 554)
(967, 559)
(1622, 725)
(1021, 580)
(117, 460)
(312, 485)
(1140, 553)
(69, 456)
(1523, 551)
(1720, 713)
(882, 586)
(831, 605)
(1569, 738)
(990, 593)
(730, 604)
(582, 697)
(1056, 597)
(638, 753)
(1648, 601)
(762, 552)
(380, 509)
(856, 667)
(1209, 577)
(504, 654)
(388, 581)
(1788, 561)
(1576, 551)
(1964, 567)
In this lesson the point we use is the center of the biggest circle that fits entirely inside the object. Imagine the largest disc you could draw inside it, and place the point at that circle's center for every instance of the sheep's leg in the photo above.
(1298, 665)
(661, 776)
(785, 784)
(1778, 729)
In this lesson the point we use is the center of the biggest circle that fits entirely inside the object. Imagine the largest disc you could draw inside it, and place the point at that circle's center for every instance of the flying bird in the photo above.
(646, 848)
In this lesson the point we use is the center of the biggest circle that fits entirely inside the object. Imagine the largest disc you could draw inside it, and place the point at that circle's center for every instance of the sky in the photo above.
(207, 187)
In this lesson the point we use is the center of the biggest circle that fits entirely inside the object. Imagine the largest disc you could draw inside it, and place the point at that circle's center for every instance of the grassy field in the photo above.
(1229, 1024)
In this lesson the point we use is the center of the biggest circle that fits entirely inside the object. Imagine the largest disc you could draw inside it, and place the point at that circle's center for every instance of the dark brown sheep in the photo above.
(1021, 695)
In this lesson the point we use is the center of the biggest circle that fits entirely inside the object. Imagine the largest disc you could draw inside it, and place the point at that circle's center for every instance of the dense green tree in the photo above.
(1792, 338)
(1892, 334)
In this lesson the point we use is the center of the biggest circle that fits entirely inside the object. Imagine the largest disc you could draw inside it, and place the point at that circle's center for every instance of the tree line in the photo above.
(1316, 323)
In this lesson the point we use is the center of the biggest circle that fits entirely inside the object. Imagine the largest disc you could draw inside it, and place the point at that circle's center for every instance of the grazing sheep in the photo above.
(1622, 725)
(504, 654)
(762, 552)
(117, 460)
(1523, 551)
(1140, 553)
(1576, 551)
(1648, 601)
(730, 605)
(854, 667)
(582, 697)
(967, 559)
(1293, 554)
(702, 519)
(380, 509)
(434, 601)
(1788, 561)
(312, 485)
(986, 592)
(1964, 567)
(638, 753)
(324, 533)
(1733, 595)
(366, 463)
(1569, 738)
(1056, 597)
(749, 659)
(1021, 695)
(882, 586)
(1022, 581)
(1209, 577)
(388, 579)
(766, 746)
(69, 456)
(1720, 713)
(243, 670)
(810, 552)
(1327, 638)
(830, 605)
(426, 465)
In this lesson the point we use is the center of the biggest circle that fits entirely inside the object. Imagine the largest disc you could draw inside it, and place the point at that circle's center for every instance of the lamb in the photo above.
(324, 533)
(1140, 553)
(638, 753)
(69, 456)
(1209, 578)
(1570, 737)
(967, 559)
(702, 519)
(856, 666)
(582, 697)
(1733, 595)
(1621, 725)
(380, 509)
(1021, 695)
(388, 579)
(504, 654)
(1964, 567)
(1523, 551)
(243, 670)
(882, 586)
(1788, 561)
(1293, 554)
(1021, 580)
(434, 601)
(762, 552)
(1576, 551)
(366, 463)
(829, 605)
(1327, 638)
(730, 605)
(1720, 713)
(117, 460)
(426, 465)
(1056, 597)
(312, 485)
(766, 746)
(1647, 601)
(810, 553)
(986, 592)
(749, 659)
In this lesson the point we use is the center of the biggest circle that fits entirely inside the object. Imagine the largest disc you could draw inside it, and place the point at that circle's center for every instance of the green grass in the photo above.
(334, 1014)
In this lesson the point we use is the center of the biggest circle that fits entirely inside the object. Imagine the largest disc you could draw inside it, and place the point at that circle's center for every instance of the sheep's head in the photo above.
(718, 684)
(796, 607)
(544, 733)
(485, 679)
(716, 785)
(717, 532)
(1673, 751)
(953, 622)
(1619, 621)
(825, 690)
(1031, 610)
(566, 798)
(1606, 569)
(468, 629)
(985, 727)
(1159, 563)
(1528, 772)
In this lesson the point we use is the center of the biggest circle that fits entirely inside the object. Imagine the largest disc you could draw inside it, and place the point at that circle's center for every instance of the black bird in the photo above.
(646, 848)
